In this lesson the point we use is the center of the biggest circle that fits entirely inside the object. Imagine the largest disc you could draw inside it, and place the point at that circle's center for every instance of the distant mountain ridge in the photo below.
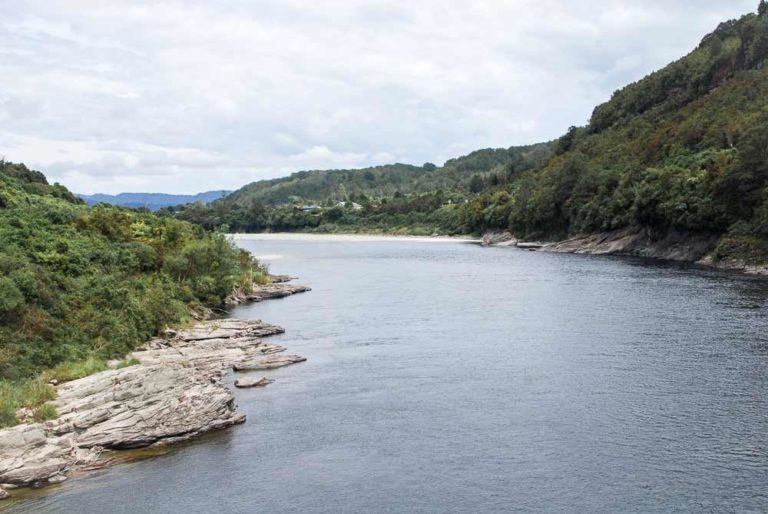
(153, 201)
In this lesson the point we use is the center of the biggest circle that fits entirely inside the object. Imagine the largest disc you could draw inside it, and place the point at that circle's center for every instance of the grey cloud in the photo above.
(187, 96)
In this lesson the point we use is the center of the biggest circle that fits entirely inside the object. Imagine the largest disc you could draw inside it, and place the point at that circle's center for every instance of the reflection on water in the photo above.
(452, 378)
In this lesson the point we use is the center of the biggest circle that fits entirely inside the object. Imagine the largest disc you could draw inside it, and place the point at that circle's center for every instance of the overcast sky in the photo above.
(182, 97)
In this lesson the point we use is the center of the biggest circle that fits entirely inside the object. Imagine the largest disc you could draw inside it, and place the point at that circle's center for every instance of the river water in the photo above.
(446, 377)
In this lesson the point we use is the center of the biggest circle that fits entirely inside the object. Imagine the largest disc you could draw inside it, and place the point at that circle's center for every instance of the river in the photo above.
(446, 377)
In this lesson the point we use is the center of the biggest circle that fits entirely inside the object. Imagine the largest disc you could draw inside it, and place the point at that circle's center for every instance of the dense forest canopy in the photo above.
(398, 195)
(684, 148)
(79, 285)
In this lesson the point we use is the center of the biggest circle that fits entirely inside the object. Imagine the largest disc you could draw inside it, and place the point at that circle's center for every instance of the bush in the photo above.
(66, 371)
(45, 412)
(31, 393)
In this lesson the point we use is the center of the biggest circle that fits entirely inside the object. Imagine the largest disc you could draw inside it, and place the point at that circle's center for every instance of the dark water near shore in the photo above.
(443, 377)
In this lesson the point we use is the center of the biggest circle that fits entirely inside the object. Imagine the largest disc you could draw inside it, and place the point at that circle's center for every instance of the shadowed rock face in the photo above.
(634, 241)
(672, 245)
(175, 393)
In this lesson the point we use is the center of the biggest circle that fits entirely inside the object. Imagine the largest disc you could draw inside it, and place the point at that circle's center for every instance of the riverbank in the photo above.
(349, 238)
(673, 245)
(173, 392)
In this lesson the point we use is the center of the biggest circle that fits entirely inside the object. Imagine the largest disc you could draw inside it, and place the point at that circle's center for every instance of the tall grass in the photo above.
(31, 393)
(72, 370)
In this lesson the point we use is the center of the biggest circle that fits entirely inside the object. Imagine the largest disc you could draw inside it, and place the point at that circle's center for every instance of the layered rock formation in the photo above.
(672, 245)
(278, 289)
(173, 394)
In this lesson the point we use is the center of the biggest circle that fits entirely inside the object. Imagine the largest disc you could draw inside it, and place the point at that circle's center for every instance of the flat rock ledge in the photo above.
(174, 394)
(278, 289)
(253, 382)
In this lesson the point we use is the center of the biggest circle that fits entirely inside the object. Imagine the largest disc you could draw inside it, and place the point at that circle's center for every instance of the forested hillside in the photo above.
(685, 148)
(384, 198)
(80, 285)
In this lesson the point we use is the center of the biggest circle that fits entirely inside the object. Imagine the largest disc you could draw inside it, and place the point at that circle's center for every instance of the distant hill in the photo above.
(152, 201)
(387, 180)
(391, 198)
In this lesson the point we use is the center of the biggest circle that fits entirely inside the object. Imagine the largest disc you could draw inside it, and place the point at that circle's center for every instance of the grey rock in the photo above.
(253, 382)
(174, 394)
(260, 293)
(499, 239)
(671, 245)
(270, 362)
(278, 279)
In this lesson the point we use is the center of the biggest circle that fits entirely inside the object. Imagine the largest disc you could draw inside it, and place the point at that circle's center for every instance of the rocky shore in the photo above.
(279, 288)
(635, 242)
(173, 394)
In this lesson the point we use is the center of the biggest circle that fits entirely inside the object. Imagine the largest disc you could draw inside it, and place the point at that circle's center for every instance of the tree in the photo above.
(476, 184)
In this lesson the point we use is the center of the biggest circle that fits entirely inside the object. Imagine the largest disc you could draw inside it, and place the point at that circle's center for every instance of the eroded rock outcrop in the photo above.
(260, 293)
(271, 362)
(672, 245)
(253, 382)
(173, 394)
(499, 239)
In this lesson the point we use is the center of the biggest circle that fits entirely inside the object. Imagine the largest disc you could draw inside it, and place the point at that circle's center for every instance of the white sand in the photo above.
(349, 238)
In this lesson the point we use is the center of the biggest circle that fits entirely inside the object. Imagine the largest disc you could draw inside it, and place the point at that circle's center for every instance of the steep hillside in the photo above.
(79, 285)
(683, 150)
(152, 201)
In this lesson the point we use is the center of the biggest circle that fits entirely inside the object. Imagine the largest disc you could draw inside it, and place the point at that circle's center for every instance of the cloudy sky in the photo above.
(114, 96)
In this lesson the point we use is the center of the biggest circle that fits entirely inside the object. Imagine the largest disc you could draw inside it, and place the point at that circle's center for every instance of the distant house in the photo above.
(310, 208)
(355, 206)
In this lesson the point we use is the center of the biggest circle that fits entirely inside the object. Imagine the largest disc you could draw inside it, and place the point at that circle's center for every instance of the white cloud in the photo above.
(182, 96)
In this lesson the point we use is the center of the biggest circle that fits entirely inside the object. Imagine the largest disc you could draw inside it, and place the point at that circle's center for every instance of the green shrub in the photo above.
(45, 412)
(127, 362)
(30, 393)
(72, 370)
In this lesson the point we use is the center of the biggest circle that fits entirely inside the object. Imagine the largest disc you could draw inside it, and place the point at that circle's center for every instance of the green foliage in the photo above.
(45, 412)
(66, 371)
(394, 199)
(29, 393)
(684, 148)
(80, 285)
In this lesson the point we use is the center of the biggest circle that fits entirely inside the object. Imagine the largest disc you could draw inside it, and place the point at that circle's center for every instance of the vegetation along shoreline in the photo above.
(167, 391)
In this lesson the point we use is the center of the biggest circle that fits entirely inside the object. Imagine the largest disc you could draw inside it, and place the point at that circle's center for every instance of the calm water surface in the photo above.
(444, 377)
